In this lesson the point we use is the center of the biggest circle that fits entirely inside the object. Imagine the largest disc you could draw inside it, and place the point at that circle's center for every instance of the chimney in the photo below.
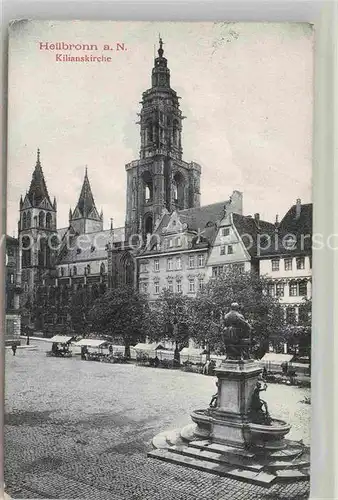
(256, 217)
(298, 207)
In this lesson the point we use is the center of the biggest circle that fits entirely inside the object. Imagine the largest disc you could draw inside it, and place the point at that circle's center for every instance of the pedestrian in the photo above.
(206, 368)
(14, 349)
(27, 341)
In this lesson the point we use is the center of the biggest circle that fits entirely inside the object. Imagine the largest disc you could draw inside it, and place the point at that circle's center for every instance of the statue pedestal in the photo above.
(225, 442)
(236, 383)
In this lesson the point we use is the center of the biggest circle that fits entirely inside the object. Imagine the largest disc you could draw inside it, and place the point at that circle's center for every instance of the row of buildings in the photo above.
(169, 241)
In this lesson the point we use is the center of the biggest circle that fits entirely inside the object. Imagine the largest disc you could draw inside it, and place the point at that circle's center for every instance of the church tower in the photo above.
(160, 179)
(85, 217)
(37, 231)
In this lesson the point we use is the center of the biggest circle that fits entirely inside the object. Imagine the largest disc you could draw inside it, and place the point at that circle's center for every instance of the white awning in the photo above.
(190, 351)
(147, 347)
(60, 339)
(273, 357)
(91, 343)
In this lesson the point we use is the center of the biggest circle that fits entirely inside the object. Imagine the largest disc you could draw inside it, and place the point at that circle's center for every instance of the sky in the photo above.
(246, 91)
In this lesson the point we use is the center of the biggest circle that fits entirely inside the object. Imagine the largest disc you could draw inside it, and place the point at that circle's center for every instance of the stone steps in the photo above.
(214, 456)
(259, 478)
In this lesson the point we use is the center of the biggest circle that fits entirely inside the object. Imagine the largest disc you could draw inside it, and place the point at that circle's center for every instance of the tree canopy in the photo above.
(261, 310)
(122, 313)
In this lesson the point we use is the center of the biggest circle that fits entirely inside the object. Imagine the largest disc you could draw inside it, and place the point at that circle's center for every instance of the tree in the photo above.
(79, 306)
(260, 309)
(121, 312)
(171, 319)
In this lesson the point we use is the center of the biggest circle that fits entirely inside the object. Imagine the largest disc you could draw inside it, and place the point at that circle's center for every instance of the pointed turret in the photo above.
(86, 204)
(85, 217)
(38, 189)
(54, 203)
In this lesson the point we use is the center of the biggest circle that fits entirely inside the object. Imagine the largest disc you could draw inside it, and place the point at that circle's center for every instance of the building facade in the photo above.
(13, 291)
(177, 256)
(287, 261)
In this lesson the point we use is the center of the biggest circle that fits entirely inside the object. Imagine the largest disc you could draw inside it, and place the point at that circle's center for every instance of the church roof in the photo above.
(91, 246)
(85, 207)
(38, 188)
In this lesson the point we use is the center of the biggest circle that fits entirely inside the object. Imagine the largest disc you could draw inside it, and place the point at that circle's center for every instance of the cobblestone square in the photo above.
(77, 429)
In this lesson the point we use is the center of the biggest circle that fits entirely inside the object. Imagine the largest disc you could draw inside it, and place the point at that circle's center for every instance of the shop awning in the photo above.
(273, 357)
(91, 343)
(60, 339)
(148, 347)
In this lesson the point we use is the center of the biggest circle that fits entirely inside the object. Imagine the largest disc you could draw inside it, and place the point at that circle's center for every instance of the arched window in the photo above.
(29, 220)
(49, 221)
(24, 220)
(176, 133)
(148, 186)
(88, 269)
(26, 251)
(148, 224)
(41, 219)
(102, 268)
(178, 190)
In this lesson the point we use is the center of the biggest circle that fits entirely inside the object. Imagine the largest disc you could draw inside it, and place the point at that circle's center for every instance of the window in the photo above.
(191, 261)
(179, 286)
(156, 265)
(75, 270)
(230, 249)
(157, 287)
(225, 231)
(11, 278)
(144, 286)
(280, 289)
(178, 241)
(88, 269)
(170, 243)
(200, 284)
(310, 261)
(169, 264)
(271, 289)
(275, 265)
(215, 271)
(293, 289)
(178, 263)
(170, 286)
(238, 267)
(62, 271)
(201, 261)
(24, 220)
(222, 249)
(49, 221)
(102, 268)
(41, 219)
(192, 285)
(303, 288)
(143, 267)
(288, 264)
(300, 262)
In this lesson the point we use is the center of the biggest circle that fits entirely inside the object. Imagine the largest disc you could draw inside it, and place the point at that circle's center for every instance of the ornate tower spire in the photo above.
(85, 212)
(38, 189)
(160, 73)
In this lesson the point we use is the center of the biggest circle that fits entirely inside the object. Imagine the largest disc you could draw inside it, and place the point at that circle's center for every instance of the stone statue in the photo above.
(236, 334)
(259, 413)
